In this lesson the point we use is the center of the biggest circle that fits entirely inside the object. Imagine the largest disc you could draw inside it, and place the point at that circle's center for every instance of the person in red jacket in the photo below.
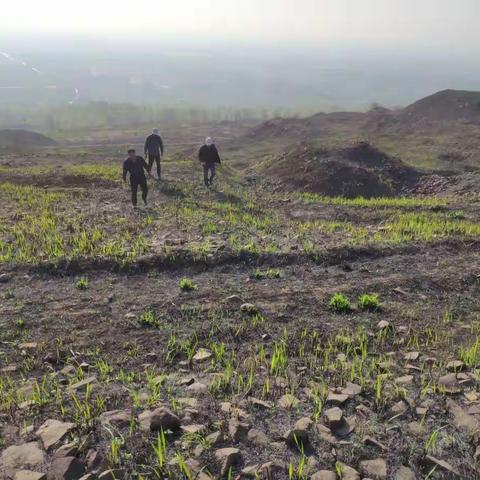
(209, 157)
(136, 167)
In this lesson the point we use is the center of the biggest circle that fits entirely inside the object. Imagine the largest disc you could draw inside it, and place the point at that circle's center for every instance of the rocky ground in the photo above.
(198, 338)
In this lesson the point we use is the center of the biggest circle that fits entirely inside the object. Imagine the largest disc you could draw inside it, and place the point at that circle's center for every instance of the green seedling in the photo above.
(187, 285)
(339, 303)
(369, 302)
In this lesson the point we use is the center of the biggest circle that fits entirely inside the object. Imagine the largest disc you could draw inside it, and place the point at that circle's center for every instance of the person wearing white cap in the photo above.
(154, 150)
(209, 157)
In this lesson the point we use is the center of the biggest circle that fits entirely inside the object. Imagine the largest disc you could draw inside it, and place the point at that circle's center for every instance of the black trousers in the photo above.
(208, 168)
(154, 158)
(134, 184)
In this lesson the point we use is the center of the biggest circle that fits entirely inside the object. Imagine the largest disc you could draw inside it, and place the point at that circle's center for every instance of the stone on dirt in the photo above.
(463, 420)
(83, 384)
(455, 366)
(299, 434)
(112, 474)
(116, 418)
(19, 456)
(197, 388)
(29, 475)
(324, 475)
(202, 355)
(348, 473)
(334, 417)
(337, 399)
(238, 431)
(66, 468)
(288, 401)
(442, 464)
(405, 473)
(160, 418)
(52, 432)
(375, 469)
(257, 437)
(227, 457)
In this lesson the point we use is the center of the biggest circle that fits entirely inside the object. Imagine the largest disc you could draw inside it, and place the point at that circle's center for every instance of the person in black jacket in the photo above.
(208, 156)
(154, 150)
(136, 166)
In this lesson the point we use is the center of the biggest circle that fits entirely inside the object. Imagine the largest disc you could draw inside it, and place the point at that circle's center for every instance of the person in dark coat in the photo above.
(154, 150)
(209, 157)
(136, 167)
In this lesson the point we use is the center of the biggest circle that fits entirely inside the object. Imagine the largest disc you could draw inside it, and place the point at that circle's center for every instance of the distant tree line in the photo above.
(103, 114)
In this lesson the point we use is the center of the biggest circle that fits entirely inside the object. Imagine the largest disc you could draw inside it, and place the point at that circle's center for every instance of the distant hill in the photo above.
(446, 106)
(22, 140)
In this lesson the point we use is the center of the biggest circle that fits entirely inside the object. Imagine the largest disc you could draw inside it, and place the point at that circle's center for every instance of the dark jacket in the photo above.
(209, 155)
(154, 145)
(136, 168)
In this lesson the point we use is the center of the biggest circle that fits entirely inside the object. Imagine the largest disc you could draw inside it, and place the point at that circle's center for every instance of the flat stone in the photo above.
(442, 464)
(274, 468)
(405, 473)
(112, 474)
(66, 468)
(348, 473)
(227, 457)
(399, 408)
(337, 399)
(116, 418)
(334, 417)
(215, 438)
(367, 440)
(449, 383)
(193, 429)
(257, 437)
(383, 324)
(52, 432)
(67, 450)
(326, 434)
(197, 388)
(404, 380)
(288, 402)
(83, 384)
(251, 471)
(416, 429)
(352, 390)
(411, 356)
(463, 420)
(29, 475)
(324, 475)
(160, 418)
(375, 469)
(202, 355)
(260, 403)
(249, 308)
(455, 366)
(299, 434)
(238, 431)
(28, 346)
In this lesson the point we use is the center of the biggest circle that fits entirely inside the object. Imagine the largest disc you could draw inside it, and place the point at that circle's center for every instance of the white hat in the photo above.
(155, 131)
(208, 141)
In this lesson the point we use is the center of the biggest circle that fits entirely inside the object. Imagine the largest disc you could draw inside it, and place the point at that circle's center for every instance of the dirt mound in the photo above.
(14, 141)
(357, 170)
(445, 106)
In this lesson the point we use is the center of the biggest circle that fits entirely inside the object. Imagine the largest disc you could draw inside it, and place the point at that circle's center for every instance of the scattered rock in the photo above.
(193, 429)
(383, 325)
(405, 380)
(442, 464)
(324, 475)
(288, 401)
(455, 366)
(160, 418)
(399, 408)
(334, 417)
(197, 388)
(416, 429)
(250, 471)
(215, 438)
(348, 473)
(52, 432)
(449, 383)
(326, 434)
(82, 385)
(375, 469)
(202, 355)
(29, 475)
(411, 356)
(257, 437)
(299, 434)
(352, 390)
(95, 462)
(5, 277)
(260, 403)
(68, 450)
(116, 418)
(463, 420)
(238, 431)
(405, 473)
(227, 457)
(112, 474)
(337, 399)
(367, 440)
(66, 468)
(273, 468)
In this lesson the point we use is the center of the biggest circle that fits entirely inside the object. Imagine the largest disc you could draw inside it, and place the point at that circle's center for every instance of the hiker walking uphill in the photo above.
(136, 167)
(209, 157)
(154, 150)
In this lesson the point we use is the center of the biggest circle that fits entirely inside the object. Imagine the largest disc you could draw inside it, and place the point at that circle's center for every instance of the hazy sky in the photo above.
(433, 24)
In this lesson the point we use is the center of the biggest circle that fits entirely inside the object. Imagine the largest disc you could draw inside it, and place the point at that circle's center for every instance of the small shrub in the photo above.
(82, 283)
(187, 285)
(148, 319)
(369, 302)
(20, 323)
(339, 303)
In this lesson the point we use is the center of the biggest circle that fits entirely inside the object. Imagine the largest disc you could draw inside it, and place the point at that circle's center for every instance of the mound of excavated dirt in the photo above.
(357, 170)
(21, 140)
(445, 106)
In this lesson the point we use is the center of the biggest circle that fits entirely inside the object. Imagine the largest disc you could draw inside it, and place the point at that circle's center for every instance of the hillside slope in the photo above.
(20, 140)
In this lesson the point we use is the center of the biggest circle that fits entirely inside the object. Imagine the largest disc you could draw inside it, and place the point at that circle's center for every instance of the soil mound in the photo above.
(14, 141)
(445, 106)
(357, 170)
